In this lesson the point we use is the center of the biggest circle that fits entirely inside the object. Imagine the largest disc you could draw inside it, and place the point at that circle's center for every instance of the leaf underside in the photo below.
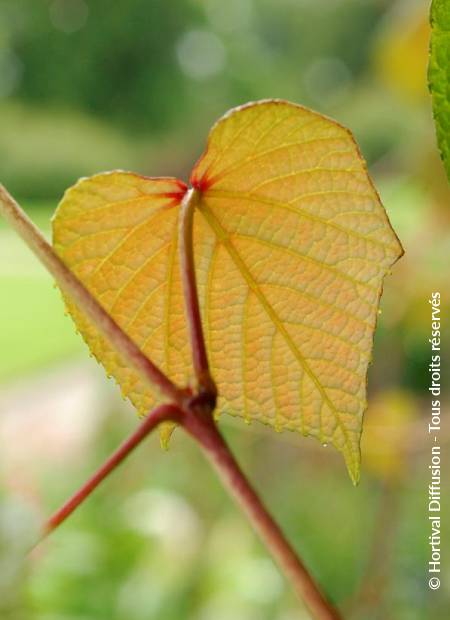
(439, 75)
(291, 247)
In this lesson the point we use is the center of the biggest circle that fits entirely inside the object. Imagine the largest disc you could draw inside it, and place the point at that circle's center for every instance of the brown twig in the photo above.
(205, 431)
(163, 413)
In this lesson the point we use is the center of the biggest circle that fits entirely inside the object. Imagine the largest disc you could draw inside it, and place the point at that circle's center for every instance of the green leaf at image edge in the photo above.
(439, 75)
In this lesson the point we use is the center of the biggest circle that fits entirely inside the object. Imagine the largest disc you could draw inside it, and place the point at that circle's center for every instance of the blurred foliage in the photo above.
(36, 337)
(87, 86)
(54, 147)
(386, 438)
(110, 59)
(401, 53)
(157, 71)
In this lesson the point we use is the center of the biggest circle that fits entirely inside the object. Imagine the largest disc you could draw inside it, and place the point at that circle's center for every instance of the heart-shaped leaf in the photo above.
(291, 247)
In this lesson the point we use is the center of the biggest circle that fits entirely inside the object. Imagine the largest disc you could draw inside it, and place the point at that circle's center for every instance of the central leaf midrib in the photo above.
(223, 236)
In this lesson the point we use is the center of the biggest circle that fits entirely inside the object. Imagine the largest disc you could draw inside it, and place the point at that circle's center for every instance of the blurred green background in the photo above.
(87, 86)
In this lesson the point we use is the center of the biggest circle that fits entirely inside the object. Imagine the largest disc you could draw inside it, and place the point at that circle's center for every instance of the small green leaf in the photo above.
(439, 75)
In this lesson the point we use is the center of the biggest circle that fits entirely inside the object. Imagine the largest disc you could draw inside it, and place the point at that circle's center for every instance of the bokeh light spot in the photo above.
(68, 15)
(201, 54)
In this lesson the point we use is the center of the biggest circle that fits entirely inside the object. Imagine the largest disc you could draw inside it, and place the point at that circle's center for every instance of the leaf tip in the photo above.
(165, 434)
(353, 462)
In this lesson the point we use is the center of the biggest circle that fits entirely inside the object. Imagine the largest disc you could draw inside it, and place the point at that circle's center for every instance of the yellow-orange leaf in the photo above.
(291, 247)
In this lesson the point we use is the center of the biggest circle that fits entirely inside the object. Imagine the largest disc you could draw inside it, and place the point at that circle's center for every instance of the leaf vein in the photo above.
(240, 264)
(298, 211)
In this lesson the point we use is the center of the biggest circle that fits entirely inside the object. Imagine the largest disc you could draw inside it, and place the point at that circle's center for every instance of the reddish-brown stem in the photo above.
(199, 422)
(205, 431)
(70, 284)
(162, 413)
(192, 308)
